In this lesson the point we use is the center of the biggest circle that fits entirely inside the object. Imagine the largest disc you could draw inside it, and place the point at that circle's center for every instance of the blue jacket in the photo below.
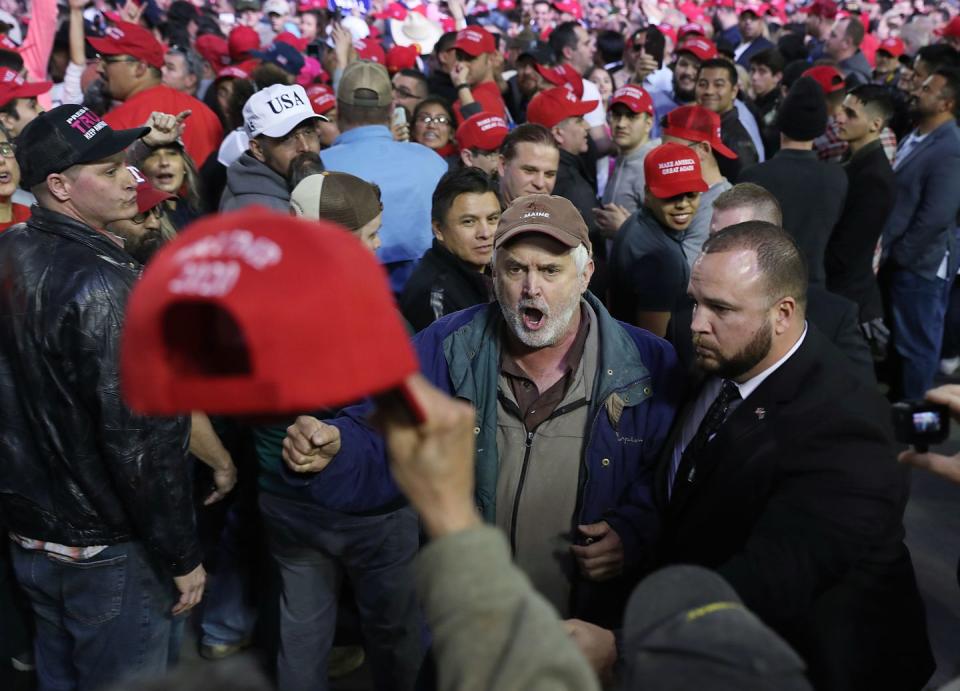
(637, 391)
(922, 225)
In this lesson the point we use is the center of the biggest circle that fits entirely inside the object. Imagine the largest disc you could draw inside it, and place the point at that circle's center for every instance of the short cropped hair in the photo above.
(779, 260)
(563, 36)
(770, 58)
(720, 63)
(951, 89)
(461, 181)
(876, 99)
(528, 133)
(762, 203)
(854, 31)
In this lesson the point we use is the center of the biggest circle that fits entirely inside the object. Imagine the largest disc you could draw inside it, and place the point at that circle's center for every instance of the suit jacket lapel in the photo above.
(730, 447)
(912, 154)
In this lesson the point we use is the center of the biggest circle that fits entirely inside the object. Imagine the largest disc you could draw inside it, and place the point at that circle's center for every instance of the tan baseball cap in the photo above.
(365, 84)
(546, 214)
(338, 197)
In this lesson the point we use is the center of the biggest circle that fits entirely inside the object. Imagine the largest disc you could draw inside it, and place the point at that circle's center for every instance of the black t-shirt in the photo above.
(649, 270)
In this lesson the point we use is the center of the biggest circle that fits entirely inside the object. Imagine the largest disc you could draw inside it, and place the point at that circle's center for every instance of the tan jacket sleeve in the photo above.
(491, 630)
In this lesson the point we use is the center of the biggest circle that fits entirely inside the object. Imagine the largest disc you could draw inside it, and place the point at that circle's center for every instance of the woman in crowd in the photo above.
(433, 127)
(10, 213)
(170, 169)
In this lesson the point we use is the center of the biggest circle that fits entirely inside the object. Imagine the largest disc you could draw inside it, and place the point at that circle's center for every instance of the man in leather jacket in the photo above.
(97, 498)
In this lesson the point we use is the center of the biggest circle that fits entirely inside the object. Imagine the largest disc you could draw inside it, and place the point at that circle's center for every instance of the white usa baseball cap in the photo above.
(277, 110)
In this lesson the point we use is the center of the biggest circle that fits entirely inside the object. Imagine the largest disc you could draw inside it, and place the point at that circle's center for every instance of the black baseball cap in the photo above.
(65, 136)
(686, 628)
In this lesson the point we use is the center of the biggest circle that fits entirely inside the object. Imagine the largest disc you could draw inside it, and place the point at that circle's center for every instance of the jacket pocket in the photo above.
(93, 589)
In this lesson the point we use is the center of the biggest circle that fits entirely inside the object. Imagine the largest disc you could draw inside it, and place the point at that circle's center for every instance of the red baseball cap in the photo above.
(506, 5)
(241, 41)
(129, 39)
(553, 106)
(475, 41)
(242, 70)
(214, 50)
(202, 329)
(690, 29)
(483, 131)
(148, 196)
(668, 30)
(673, 169)
(402, 58)
(321, 98)
(893, 46)
(394, 10)
(13, 85)
(562, 75)
(951, 30)
(757, 8)
(697, 124)
(291, 40)
(371, 50)
(700, 47)
(633, 97)
(828, 77)
(821, 8)
(571, 7)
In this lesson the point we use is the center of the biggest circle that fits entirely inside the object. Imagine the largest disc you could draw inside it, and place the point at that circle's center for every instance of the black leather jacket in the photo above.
(78, 467)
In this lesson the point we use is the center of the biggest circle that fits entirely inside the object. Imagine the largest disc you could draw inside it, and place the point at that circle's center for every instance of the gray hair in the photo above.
(192, 60)
(580, 254)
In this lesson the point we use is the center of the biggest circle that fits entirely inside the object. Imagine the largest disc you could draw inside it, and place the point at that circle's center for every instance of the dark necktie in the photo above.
(716, 414)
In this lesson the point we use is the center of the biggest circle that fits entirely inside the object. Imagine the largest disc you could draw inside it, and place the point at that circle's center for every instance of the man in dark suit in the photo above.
(834, 315)
(810, 192)
(870, 194)
(780, 474)
(919, 247)
(752, 40)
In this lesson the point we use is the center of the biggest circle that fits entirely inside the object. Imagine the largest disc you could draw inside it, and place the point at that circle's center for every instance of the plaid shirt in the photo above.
(59, 552)
(829, 146)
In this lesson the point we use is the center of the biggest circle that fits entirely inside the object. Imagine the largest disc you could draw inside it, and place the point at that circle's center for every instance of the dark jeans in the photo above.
(314, 550)
(918, 306)
(99, 620)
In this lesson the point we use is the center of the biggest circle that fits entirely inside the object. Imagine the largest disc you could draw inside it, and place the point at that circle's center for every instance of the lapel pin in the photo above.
(760, 413)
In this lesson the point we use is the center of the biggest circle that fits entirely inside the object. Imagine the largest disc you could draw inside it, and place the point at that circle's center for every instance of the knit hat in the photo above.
(803, 113)
(338, 197)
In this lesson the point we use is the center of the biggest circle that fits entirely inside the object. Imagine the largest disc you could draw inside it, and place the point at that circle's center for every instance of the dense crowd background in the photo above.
(559, 194)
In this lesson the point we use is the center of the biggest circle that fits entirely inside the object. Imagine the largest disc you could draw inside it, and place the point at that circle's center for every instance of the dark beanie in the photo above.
(803, 113)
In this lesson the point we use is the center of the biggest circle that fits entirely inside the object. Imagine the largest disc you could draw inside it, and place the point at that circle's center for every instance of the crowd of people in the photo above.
(663, 266)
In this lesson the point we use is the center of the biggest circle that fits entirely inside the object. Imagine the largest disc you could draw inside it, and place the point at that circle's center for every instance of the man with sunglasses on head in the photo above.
(280, 122)
(131, 66)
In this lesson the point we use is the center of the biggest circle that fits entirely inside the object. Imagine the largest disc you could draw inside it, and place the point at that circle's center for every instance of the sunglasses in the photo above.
(429, 119)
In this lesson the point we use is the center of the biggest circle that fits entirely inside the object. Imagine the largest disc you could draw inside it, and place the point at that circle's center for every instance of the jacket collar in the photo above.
(55, 223)
(867, 150)
(947, 128)
(795, 154)
(447, 259)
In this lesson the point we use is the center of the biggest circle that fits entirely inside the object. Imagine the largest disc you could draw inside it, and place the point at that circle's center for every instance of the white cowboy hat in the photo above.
(416, 30)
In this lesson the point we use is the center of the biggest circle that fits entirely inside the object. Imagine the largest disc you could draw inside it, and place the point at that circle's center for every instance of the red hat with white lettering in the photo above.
(690, 29)
(148, 196)
(571, 7)
(697, 124)
(893, 46)
(13, 85)
(821, 8)
(214, 50)
(475, 41)
(202, 329)
(129, 39)
(402, 58)
(483, 131)
(370, 50)
(698, 46)
(321, 98)
(633, 97)
(673, 169)
(553, 106)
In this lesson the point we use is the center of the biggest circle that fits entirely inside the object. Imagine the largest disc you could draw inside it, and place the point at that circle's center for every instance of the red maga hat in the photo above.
(202, 329)
(475, 40)
(13, 86)
(148, 196)
(672, 169)
(402, 58)
(951, 30)
(321, 98)
(697, 124)
(553, 106)
(828, 77)
(483, 131)
(129, 39)
(241, 41)
(893, 45)
(633, 97)
(214, 50)
(700, 47)
(821, 8)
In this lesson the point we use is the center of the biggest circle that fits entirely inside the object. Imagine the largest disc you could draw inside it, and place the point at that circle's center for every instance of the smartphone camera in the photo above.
(920, 424)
